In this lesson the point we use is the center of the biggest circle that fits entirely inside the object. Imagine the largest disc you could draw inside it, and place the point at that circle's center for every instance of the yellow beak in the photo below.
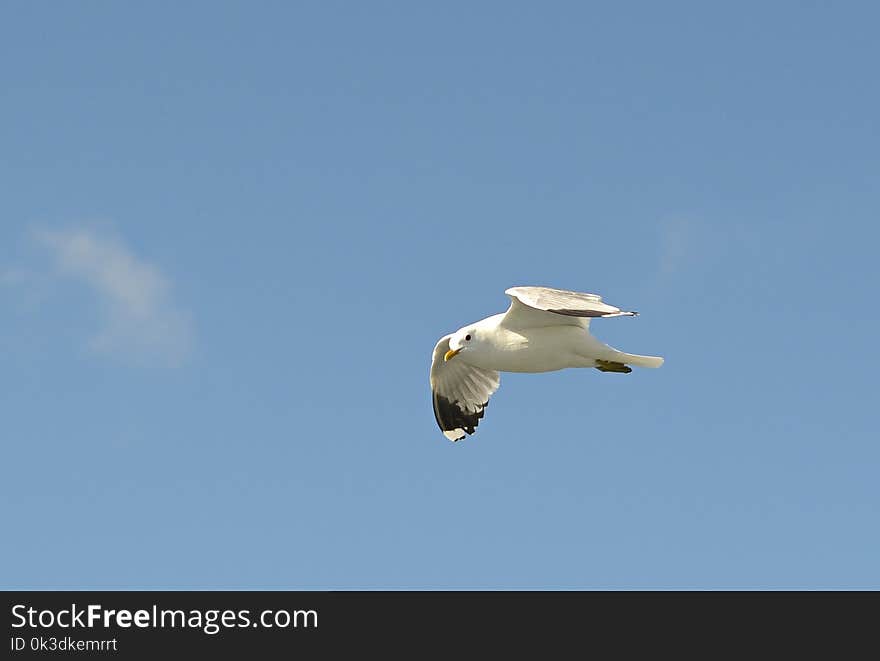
(452, 353)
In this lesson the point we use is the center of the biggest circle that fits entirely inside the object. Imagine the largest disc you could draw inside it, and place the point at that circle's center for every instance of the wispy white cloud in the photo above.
(679, 239)
(141, 322)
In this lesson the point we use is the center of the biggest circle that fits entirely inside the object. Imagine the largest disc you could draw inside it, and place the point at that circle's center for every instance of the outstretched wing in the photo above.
(532, 307)
(460, 391)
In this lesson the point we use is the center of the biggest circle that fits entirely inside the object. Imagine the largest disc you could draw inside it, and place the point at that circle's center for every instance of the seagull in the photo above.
(543, 330)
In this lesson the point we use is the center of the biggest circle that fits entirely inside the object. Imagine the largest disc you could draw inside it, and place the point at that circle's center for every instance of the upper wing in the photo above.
(543, 306)
(460, 391)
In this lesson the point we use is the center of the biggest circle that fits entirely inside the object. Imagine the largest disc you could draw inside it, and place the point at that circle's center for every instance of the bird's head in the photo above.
(464, 339)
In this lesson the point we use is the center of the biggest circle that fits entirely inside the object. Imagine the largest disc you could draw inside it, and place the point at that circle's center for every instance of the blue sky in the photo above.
(232, 233)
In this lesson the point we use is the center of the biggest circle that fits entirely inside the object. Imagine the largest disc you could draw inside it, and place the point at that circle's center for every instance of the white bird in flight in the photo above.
(543, 330)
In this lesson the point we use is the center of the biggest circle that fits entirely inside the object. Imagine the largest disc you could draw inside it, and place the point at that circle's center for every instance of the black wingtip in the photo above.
(451, 416)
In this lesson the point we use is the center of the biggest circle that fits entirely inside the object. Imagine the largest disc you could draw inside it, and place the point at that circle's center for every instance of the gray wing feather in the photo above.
(542, 306)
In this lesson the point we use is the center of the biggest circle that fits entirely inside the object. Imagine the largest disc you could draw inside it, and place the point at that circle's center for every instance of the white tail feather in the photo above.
(639, 361)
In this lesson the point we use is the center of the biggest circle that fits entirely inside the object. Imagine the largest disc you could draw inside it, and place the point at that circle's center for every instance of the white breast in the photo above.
(532, 350)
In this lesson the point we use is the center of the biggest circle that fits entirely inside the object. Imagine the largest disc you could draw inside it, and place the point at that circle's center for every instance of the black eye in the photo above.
(467, 338)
